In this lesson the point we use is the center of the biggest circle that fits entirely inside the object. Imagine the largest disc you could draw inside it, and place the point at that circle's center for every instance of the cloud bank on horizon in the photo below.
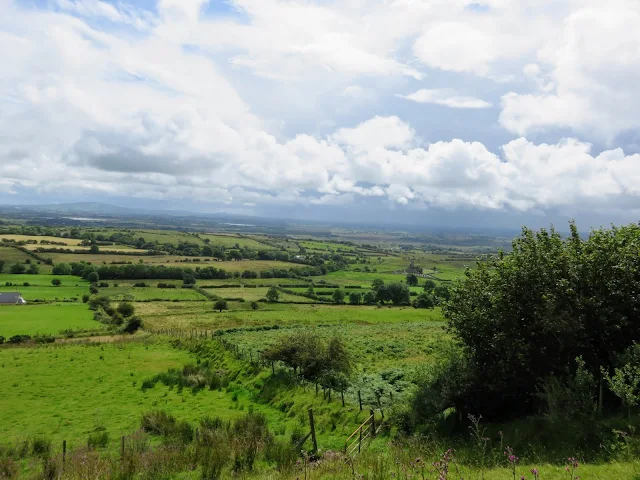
(525, 106)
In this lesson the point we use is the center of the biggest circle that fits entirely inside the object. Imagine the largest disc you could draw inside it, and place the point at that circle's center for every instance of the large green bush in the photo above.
(525, 317)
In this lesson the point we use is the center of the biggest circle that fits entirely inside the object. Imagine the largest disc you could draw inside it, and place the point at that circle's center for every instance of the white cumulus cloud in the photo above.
(447, 98)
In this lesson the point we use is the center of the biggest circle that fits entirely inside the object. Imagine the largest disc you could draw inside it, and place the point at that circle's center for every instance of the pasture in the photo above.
(145, 294)
(55, 381)
(11, 256)
(40, 238)
(42, 280)
(373, 346)
(170, 260)
(233, 241)
(48, 294)
(255, 294)
(47, 319)
(105, 250)
(201, 315)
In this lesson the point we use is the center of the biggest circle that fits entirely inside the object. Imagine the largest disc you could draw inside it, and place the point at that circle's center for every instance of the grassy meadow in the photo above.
(47, 319)
(200, 315)
(75, 388)
(41, 293)
(55, 381)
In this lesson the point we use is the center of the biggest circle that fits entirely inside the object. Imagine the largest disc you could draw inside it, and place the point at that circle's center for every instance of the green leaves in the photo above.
(525, 316)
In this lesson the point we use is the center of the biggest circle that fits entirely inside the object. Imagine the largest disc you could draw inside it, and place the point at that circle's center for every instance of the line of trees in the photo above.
(142, 271)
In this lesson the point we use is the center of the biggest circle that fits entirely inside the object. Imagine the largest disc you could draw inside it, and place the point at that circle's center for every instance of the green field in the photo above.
(201, 315)
(76, 389)
(50, 293)
(230, 241)
(38, 238)
(170, 260)
(373, 346)
(137, 294)
(43, 280)
(47, 319)
(11, 256)
(255, 294)
(284, 282)
(105, 250)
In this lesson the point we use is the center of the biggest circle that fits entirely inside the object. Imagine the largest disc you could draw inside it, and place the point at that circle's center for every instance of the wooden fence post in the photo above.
(360, 440)
(342, 394)
(359, 400)
(313, 430)
(64, 452)
(373, 423)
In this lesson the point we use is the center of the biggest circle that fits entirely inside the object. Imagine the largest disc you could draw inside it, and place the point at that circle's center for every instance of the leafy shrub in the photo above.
(19, 339)
(220, 305)
(126, 309)
(40, 446)
(214, 452)
(313, 358)
(581, 300)
(571, 399)
(132, 325)
(190, 376)
(163, 424)
(44, 339)
(98, 439)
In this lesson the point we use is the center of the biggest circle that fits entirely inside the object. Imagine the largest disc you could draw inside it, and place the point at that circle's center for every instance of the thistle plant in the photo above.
(512, 460)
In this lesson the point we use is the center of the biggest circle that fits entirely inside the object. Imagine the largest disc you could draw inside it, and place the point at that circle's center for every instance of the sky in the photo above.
(435, 112)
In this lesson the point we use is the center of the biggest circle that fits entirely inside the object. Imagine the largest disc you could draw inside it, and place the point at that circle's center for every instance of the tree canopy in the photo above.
(526, 316)
(314, 359)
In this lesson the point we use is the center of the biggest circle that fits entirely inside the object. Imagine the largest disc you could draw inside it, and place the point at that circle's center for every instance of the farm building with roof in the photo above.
(11, 298)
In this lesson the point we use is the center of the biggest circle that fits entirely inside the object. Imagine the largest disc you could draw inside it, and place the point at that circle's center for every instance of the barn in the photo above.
(11, 298)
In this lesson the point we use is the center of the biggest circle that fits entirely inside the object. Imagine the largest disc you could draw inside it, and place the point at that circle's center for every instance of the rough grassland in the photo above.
(373, 347)
(44, 319)
(201, 315)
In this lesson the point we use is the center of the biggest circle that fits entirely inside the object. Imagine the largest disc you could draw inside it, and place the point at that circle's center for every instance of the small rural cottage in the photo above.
(11, 298)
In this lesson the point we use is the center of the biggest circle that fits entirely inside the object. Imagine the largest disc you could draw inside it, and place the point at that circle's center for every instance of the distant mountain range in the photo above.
(130, 215)
(96, 208)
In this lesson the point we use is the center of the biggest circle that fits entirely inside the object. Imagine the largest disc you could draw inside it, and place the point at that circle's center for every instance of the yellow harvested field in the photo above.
(104, 249)
(37, 238)
(170, 260)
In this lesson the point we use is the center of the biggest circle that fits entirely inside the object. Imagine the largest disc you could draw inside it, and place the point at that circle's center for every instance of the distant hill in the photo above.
(77, 208)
